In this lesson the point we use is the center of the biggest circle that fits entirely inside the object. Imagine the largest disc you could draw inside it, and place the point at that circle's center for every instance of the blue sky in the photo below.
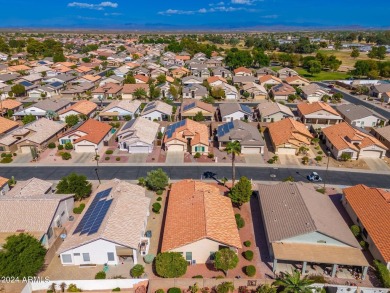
(194, 13)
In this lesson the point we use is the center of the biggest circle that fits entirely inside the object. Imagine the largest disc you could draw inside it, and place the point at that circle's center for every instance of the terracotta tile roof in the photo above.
(289, 131)
(82, 107)
(83, 69)
(18, 68)
(184, 58)
(108, 88)
(306, 108)
(266, 78)
(131, 88)
(95, 131)
(283, 89)
(341, 136)
(142, 78)
(190, 127)
(3, 181)
(197, 210)
(7, 125)
(197, 104)
(9, 104)
(212, 79)
(123, 223)
(372, 207)
(242, 69)
(92, 77)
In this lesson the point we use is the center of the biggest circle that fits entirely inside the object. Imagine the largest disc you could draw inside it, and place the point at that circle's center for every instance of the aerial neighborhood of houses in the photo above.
(131, 160)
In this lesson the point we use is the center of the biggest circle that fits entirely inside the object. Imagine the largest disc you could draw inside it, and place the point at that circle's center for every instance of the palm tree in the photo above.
(293, 283)
(234, 148)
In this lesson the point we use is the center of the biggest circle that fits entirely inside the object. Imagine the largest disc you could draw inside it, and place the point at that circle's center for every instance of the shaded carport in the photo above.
(319, 253)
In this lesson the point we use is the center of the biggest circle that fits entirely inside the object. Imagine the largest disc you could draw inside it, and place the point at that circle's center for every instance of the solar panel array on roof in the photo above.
(41, 62)
(128, 124)
(26, 83)
(172, 128)
(189, 106)
(150, 106)
(245, 108)
(225, 128)
(95, 214)
(56, 84)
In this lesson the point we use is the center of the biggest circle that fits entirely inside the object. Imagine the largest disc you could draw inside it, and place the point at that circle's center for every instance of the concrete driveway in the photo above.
(83, 157)
(22, 158)
(290, 160)
(254, 159)
(137, 158)
(174, 157)
(377, 164)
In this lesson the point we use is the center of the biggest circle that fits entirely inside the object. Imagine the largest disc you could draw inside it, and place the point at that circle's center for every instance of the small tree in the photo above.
(22, 256)
(18, 89)
(314, 67)
(75, 184)
(337, 97)
(170, 265)
(100, 275)
(137, 271)
(140, 93)
(225, 287)
(28, 119)
(161, 79)
(72, 120)
(199, 117)
(68, 146)
(156, 180)
(345, 157)
(355, 53)
(225, 259)
(241, 192)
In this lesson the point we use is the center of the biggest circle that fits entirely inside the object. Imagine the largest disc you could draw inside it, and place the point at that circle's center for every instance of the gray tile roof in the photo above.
(247, 134)
(292, 209)
(354, 112)
(230, 108)
(267, 108)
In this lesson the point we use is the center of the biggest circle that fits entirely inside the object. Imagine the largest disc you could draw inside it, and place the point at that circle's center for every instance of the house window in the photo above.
(189, 256)
(64, 141)
(199, 149)
(110, 256)
(212, 255)
(66, 258)
(2, 149)
(76, 254)
(86, 257)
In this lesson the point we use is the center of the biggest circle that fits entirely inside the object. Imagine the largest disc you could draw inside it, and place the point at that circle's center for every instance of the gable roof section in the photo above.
(267, 108)
(130, 106)
(293, 209)
(131, 88)
(246, 134)
(30, 188)
(95, 131)
(306, 108)
(83, 107)
(177, 130)
(7, 125)
(191, 104)
(355, 112)
(196, 211)
(289, 131)
(140, 129)
(372, 207)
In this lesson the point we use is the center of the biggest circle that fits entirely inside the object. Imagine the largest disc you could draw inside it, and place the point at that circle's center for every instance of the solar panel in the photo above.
(100, 217)
(189, 106)
(225, 128)
(103, 193)
(56, 84)
(25, 83)
(149, 107)
(245, 108)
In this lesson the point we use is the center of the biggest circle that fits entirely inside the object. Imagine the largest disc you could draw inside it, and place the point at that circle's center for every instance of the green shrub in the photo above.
(51, 145)
(15, 154)
(159, 198)
(318, 158)
(197, 277)
(156, 207)
(197, 156)
(210, 155)
(239, 221)
(174, 290)
(100, 275)
(248, 255)
(60, 147)
(159, 291)
(109, 152)
(78, 210)
(8, 155)
(141, 181)
(320, 152)
(363, 244)
(66, 156)
(383, 273)
(69, 146)
(317, 279)
(118, 159)
(247, 243)
(3, 155)
(321, 190)
(137, 271)
(73, 288)
(107, 158)
(159, 192)
(250, 271)
(355, 230)
(117, 289)
(6, 160)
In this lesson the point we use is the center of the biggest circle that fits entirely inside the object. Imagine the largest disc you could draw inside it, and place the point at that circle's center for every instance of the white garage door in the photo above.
(34, 95)
(371, 154)
(286, 151)
(25, 149)
(84, 148)
(176, 148)
(139, 150)
(249, 150)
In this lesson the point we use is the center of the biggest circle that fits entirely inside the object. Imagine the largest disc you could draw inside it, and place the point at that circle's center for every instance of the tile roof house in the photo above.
(111, 226)
(255, 91)
(268, 111)
(157, 110)
(83, 107)
(297, 80)
(190, 80)
(382, 134)
(120, 109)
(4, 186)
(43, 108)
(288, 135)
(360, 116)
(286, 72)
(199, 221)
(7, 125)
(194, 91)
(313, 92)
(30, 188)
(137, 136)
(369, 208)
(129, 89)
(318, 113)
(303, 225)
(379, 89)
(187, 136)
(242, 71)
(269, 79)
(247, 134)
(190, 108)
(87, 136)
(280, 92)
(109, 90)
(234, 111)
(345, 139)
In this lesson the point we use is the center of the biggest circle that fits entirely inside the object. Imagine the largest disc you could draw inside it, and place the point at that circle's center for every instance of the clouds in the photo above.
(100, 6)
(219, 7)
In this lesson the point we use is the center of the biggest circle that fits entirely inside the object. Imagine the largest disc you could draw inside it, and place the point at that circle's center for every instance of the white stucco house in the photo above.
(157, 111)
(111, 227)
(137, 136)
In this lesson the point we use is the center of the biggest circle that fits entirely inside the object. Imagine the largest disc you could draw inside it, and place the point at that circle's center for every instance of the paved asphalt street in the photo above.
(355, 100)
(341, 177)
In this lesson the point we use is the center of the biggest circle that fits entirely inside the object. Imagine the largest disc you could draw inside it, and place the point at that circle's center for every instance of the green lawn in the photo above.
(323, 75)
